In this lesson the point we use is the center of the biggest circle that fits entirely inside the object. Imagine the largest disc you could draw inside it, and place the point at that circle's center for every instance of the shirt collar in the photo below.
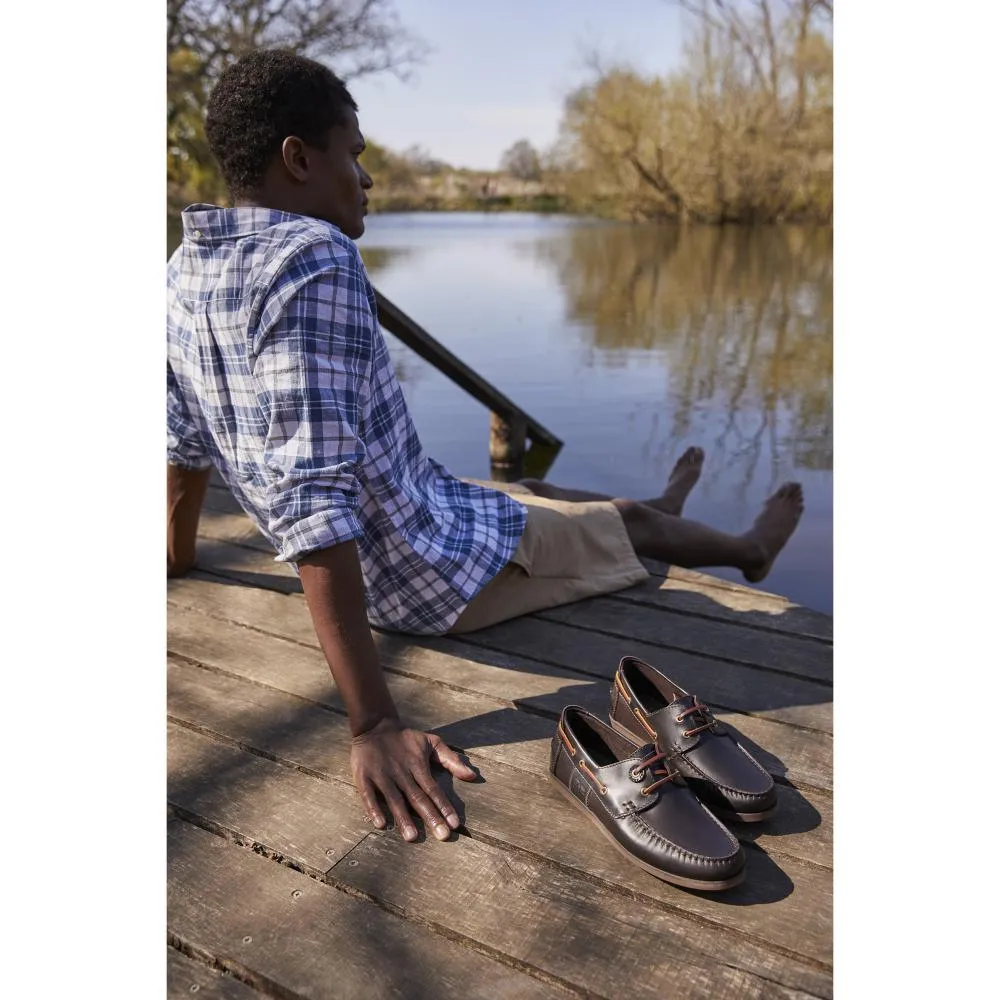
(210, 223)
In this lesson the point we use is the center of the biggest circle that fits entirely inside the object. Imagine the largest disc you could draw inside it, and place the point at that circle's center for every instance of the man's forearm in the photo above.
(185, 494)
(334, 589)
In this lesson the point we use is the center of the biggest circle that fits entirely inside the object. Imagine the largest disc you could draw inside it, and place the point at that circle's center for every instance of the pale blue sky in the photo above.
(499, 71)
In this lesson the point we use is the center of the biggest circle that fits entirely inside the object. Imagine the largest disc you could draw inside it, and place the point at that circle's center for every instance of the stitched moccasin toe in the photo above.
(647, 705)
(647, 811)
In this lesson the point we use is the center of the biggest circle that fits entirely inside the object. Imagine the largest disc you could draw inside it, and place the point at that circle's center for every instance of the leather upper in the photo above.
(667, 828)
(718, 768)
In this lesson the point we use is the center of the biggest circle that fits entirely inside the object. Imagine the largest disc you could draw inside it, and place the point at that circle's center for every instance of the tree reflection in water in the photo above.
(741, 316)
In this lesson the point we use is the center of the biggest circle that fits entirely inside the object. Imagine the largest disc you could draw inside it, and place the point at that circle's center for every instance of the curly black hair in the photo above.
(262, 99)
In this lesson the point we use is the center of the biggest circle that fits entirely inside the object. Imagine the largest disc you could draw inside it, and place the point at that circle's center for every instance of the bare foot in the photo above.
(682, 480)
(773, 528)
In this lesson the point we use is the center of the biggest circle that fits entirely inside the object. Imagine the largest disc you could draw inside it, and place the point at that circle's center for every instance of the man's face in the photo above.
(340, 184)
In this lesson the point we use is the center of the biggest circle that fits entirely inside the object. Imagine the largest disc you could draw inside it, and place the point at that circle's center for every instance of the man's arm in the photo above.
(185, 493)
(385, 756)
(311, 364)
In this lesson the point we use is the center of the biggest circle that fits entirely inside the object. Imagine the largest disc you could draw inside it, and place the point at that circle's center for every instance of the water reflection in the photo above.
(741, 317)
(377, 259)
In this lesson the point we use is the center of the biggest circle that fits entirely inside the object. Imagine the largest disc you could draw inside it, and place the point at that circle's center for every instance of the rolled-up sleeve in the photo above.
(185, 447)
(311, 370)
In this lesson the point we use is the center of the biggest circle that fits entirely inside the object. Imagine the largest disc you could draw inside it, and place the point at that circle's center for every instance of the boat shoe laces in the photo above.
(638, 773)
(704, 711)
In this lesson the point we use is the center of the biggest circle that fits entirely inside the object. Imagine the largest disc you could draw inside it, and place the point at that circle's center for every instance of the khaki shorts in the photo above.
(568, 552)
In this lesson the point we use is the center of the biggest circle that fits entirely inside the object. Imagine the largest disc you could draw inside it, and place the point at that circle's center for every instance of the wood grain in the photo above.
(784, 901)
(284, 931)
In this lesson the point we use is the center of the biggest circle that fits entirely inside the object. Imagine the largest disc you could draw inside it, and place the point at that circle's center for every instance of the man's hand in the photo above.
(394, 760)
(386, 757)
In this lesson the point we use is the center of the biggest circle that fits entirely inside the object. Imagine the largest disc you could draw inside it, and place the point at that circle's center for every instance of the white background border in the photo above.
(917, 382)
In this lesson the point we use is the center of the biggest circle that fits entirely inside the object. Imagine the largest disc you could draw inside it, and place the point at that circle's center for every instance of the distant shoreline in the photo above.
(545, 204)
(528, 208)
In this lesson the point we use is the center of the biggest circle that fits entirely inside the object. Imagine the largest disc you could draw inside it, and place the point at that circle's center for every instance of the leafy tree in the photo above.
(355, 38)
(744, 132)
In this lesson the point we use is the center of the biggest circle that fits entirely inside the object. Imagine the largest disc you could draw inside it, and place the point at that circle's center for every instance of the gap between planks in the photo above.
(476, 643)
(328, 877)
(332, 779)
(318, 759)
(273, 989)
(284, 587)
(537, 712)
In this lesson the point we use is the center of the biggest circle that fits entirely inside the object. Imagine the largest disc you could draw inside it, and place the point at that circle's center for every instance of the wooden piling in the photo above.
(507, 444)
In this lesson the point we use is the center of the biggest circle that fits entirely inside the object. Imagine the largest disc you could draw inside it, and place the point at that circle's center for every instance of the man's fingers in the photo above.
(424, 807)
(367, 790)
(400, 813)
(436, 794)
(450, 760)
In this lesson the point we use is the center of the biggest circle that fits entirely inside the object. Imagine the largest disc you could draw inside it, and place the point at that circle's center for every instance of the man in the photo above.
(277, 374)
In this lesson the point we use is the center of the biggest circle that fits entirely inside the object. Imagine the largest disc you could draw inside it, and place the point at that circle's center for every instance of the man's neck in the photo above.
(276, 201)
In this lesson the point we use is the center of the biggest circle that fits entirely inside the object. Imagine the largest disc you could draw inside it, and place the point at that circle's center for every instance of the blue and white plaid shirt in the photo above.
(278, 375)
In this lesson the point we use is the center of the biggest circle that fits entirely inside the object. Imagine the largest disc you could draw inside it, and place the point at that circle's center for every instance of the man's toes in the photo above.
(691, 459)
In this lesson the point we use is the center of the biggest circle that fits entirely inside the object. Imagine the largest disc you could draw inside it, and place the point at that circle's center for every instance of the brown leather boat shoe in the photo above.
(646, 811)
(647, 705)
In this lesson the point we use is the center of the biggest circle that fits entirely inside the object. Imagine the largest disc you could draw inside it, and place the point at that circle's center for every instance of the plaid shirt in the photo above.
(278, 375)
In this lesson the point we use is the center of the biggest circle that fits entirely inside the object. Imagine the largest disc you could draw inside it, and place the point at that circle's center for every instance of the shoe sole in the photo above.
(726, 814)
(686, 883)
(732, 817)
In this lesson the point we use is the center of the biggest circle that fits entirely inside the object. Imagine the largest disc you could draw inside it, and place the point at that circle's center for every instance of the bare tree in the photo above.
(765, 33)
(355, 37)
(522, 161)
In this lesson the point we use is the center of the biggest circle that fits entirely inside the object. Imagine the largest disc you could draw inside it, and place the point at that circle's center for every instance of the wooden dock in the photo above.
(278, 887)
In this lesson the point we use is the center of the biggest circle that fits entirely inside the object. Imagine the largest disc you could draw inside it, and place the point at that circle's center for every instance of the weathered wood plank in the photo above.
(787, 653)
(785, 902)
(717, 681)
(741, 687)
(553, 920)
(676, 589)
(720, 684)
(290, 932)
(624, 628)
(799, 755)
(317, 740)
(286, 811)
(235, 528)
(247, 564)
(467, 720)
(187, 979)
(596, 949)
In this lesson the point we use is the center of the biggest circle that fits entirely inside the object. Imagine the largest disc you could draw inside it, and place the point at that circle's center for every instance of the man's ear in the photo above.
(295, 158)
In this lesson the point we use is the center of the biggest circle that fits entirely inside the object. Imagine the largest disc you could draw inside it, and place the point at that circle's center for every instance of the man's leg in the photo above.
(657, 531)
(682, 480)
(677, 540)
